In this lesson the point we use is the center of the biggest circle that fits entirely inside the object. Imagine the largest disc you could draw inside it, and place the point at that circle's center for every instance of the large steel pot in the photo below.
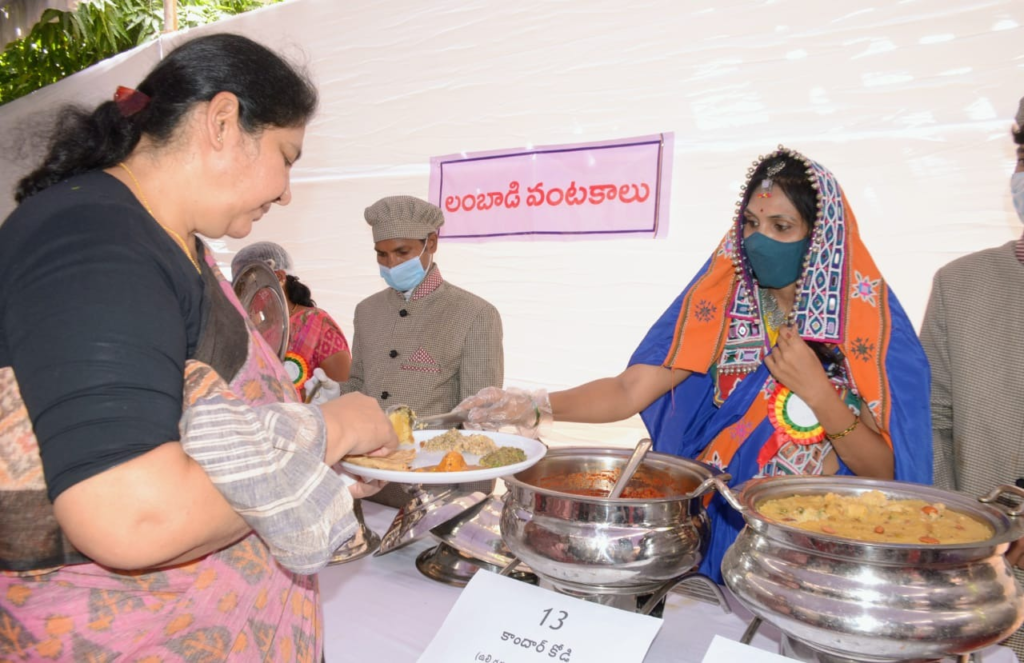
(586, 545)
(851, 600)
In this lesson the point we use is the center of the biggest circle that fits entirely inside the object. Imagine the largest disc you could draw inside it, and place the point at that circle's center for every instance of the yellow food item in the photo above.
(401, 420)
(873, 517)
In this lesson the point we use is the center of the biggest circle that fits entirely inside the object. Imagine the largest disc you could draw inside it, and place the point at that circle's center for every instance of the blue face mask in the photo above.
(405, 276)
(776, 264)
(1017, 188)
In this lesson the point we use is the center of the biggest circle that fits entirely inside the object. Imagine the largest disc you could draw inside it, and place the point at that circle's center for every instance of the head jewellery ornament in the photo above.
(766, 183)
(129, 101)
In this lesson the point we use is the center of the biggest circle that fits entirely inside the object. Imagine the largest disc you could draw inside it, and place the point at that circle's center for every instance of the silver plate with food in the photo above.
(453, 456)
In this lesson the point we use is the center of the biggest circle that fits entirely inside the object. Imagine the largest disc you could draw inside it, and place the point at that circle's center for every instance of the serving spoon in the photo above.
(419, 423)
(642, 447)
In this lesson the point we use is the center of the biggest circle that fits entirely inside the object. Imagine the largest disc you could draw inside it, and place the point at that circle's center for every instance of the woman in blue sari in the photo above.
(786, 354)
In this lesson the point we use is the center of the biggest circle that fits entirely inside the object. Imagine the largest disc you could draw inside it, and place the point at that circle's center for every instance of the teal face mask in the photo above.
(776, 264)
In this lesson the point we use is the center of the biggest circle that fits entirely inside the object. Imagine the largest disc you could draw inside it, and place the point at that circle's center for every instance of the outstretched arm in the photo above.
(600, 401)
(613, 399)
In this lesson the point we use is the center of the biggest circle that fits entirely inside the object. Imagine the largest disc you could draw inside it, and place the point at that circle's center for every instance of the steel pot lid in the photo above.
(429, 506)
(452, 567)
(260, 293)
(477, 533)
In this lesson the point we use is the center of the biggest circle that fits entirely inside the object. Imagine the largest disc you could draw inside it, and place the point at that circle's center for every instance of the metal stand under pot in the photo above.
(795, 649)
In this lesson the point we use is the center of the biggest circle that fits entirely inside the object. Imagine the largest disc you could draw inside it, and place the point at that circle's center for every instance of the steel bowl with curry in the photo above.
(873, 517)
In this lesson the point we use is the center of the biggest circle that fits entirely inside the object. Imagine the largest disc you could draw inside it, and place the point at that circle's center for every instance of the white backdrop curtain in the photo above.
(909, 103)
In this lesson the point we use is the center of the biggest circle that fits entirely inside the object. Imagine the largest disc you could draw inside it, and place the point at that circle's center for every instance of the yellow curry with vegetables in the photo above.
(873, 517)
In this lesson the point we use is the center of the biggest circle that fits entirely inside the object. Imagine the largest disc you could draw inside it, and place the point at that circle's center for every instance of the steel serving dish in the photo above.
(850, 600)
(588, 545)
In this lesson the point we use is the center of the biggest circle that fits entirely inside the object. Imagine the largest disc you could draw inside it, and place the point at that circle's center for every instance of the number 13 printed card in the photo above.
(500, 620)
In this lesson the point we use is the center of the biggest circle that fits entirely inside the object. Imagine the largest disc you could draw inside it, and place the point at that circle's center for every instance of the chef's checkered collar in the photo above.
(431, 282)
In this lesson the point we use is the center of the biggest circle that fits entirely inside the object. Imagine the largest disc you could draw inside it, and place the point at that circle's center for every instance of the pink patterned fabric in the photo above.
(234, 605)
(314, 336)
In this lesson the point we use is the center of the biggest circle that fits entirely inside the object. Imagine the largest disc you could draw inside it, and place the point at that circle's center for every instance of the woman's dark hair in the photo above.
(270, 91)
(298, 292)
(1018, 135)
(794, 182)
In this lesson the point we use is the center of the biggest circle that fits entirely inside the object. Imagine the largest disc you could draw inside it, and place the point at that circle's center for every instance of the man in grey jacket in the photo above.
(421, 341)
(972, 334)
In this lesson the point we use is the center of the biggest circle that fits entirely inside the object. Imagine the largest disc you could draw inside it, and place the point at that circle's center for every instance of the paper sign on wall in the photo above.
(500, 620)
(616, 188)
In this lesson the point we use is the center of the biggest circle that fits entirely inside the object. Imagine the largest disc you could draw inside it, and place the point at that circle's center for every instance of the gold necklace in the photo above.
(145, 203)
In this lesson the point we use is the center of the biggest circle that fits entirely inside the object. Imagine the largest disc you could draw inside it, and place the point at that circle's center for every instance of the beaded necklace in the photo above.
(145, 203)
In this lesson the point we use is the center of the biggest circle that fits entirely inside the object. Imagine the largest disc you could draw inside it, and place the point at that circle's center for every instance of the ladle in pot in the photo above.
(642, 447)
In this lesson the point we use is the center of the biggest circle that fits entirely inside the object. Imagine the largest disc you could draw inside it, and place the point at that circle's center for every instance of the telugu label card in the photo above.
(723, 650)
(501, 620)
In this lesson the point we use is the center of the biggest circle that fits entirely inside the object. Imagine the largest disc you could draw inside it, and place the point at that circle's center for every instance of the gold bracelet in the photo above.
(849, 429)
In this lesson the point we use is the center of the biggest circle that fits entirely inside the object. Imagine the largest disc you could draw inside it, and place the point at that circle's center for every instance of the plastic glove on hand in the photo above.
(494, 407)
(329, 389)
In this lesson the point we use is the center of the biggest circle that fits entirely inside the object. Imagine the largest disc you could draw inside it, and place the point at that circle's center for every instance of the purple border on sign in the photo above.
(636, 158)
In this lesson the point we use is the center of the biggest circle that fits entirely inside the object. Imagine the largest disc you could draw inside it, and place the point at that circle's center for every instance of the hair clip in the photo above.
(129, 101)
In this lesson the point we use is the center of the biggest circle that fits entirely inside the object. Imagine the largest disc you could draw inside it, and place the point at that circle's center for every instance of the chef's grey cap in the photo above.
(403, 217)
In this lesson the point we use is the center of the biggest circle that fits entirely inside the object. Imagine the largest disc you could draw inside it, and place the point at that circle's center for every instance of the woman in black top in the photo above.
(138, 417)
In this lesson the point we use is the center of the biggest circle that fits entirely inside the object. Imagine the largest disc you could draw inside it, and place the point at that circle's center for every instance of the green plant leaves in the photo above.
(64, 42)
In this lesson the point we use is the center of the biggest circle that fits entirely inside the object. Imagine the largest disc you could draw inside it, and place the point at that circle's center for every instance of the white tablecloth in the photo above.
(384, 609)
